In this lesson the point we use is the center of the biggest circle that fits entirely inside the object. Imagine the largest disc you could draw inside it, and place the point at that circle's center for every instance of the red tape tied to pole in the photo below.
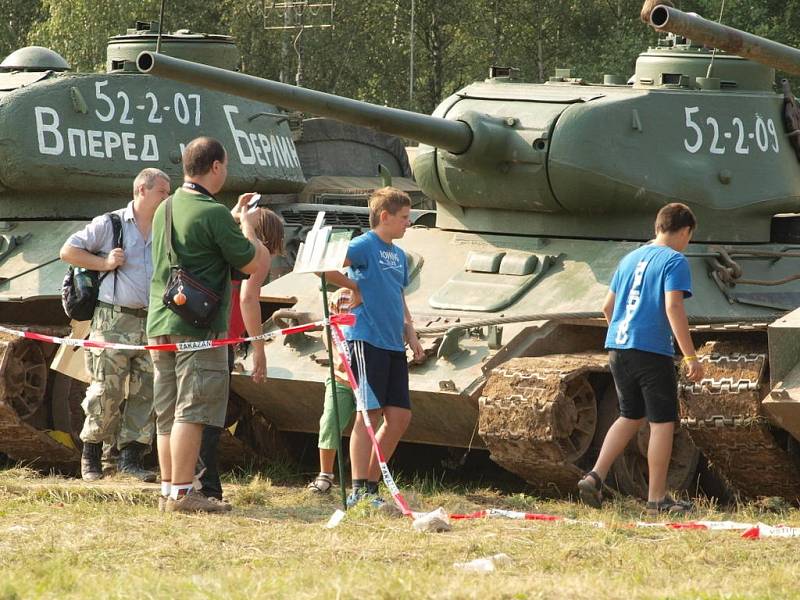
(344, 319)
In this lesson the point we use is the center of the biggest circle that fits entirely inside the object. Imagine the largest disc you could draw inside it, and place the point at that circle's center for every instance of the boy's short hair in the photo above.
(387, 199)
(200, 154)
(674, 217)
(269, 231)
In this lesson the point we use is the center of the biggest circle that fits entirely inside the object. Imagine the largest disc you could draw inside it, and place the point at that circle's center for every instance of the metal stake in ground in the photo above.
(326, 250)
(332, 375)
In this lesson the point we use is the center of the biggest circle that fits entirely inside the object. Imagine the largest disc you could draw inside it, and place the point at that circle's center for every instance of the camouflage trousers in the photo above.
(112, 416)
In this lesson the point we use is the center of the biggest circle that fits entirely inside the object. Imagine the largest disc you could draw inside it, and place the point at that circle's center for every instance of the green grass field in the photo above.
(64, 539)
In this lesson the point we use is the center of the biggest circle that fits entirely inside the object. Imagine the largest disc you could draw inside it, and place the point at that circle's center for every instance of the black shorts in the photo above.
(647, 385)
(387, 375)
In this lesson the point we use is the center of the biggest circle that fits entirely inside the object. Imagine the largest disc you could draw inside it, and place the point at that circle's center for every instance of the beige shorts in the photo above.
(189, 387)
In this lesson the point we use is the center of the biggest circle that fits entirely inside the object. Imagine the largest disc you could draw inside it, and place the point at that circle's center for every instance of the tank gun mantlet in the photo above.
(494, 137)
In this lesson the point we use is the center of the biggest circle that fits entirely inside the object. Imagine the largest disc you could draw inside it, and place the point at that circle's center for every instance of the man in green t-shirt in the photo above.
(191, 388)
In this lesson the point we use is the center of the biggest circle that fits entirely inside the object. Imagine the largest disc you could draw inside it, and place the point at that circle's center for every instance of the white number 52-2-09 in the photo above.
(761, 135)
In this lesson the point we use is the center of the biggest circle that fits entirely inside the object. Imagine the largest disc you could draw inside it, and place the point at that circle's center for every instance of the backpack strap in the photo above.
(116, 240)
(168, 228)
(116, 227)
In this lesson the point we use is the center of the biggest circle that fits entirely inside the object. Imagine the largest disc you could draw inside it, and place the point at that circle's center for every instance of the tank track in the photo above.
(723, 416)
(538, 416)
(23, 377)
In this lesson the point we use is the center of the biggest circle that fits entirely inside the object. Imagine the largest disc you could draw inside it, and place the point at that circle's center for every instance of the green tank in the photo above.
(70, 146)
(541, 189)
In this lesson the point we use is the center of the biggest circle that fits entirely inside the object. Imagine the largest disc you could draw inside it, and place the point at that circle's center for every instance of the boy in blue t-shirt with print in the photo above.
(644, 309)
(378, 275)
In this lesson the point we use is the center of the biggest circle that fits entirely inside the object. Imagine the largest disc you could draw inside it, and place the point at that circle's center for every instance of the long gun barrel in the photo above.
(715, 35)
(454, 136)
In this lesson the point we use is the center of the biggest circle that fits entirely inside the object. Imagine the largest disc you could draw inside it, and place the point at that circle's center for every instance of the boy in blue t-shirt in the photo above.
(378, 275)
(644, 309)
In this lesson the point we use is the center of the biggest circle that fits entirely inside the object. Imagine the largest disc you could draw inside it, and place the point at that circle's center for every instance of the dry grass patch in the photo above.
(67, 540)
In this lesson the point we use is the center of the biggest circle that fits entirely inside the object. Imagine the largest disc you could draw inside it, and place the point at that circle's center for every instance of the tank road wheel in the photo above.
(538, 417)
(630, 472)
(578, 414)
(23, 393)
(66, 395)
(23, 378)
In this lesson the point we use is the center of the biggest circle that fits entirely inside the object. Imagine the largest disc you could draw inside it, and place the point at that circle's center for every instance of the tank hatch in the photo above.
(34, 58)
(678, 62)
(205, 48)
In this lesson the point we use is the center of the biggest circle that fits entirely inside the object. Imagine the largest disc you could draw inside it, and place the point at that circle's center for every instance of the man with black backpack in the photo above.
(118, 246)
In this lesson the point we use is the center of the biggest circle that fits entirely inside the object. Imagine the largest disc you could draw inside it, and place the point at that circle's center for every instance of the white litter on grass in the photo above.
(19, 529)
(484, 565)
(335, 519)
(435, 521)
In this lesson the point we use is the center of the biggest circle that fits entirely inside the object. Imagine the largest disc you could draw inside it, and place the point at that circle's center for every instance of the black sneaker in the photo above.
(668, 506)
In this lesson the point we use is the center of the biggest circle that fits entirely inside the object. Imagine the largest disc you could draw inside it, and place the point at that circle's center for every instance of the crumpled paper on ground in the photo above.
(435, 521)
(484, 565)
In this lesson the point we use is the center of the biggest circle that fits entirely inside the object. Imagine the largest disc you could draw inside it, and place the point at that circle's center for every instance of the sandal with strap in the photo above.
(669, 506)
(321, 485)
(590, 490)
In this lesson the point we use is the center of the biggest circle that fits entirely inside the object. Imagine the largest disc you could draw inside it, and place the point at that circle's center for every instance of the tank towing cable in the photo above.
(577, 316)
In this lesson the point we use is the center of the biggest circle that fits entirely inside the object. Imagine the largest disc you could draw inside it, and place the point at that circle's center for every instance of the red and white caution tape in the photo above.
(760, 530)
(749, 530)
(341, 348)
(343, 319)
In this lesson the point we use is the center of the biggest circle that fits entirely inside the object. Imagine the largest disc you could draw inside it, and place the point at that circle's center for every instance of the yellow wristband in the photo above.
(688, 358)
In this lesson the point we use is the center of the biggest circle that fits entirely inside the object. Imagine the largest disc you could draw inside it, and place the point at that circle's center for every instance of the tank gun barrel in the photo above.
(715, 35)
(454, 136)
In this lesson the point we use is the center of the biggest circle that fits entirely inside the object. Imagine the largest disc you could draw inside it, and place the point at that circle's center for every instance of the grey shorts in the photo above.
(189, 387)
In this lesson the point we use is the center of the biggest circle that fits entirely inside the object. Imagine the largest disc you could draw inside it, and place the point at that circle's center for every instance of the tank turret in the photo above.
(88, 134)
(566, 154)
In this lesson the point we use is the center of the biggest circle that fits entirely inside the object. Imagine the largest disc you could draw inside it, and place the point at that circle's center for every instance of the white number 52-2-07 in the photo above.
(698, 143)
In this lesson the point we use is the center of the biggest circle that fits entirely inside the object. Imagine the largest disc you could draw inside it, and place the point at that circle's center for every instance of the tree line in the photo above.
(367, 53)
